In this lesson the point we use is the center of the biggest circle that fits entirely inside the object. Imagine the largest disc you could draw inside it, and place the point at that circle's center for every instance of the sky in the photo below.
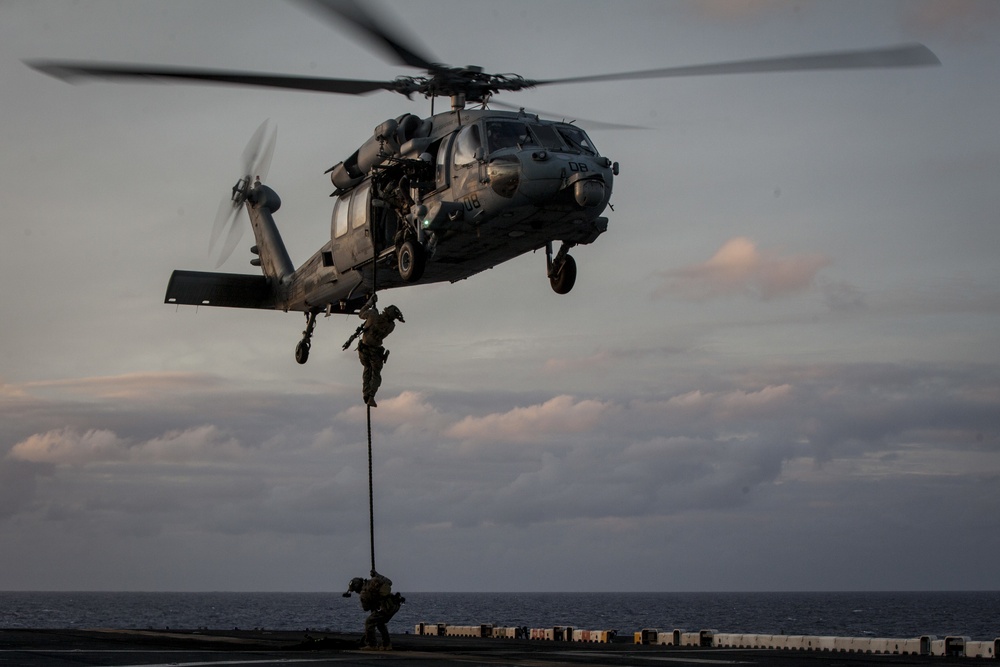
(779, 368)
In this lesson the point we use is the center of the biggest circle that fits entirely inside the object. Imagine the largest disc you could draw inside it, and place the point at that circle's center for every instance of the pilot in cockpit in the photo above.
(507, 135)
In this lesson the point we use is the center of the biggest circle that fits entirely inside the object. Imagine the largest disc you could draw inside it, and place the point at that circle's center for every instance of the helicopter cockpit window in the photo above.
(547, 136)
(502, 134)
(466, 145)
(577, 139)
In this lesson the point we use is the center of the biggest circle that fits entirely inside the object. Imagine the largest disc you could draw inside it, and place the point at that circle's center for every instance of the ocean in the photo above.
(881, 614)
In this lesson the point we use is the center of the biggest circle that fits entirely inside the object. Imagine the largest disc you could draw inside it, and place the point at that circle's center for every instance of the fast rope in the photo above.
(371, 494)
(371, 487)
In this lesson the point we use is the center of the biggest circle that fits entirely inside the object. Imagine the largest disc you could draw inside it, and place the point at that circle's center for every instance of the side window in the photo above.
(340, 215)
(359, 205)
(466, 145)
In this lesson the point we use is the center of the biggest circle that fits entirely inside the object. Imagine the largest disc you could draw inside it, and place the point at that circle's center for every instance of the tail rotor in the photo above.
(254, 164)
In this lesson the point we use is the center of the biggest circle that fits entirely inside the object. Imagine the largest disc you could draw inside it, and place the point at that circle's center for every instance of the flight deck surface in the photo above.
(188, 648)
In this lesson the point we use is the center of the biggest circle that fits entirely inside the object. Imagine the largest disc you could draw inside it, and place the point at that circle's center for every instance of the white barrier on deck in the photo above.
(485, 630)
(953, 646)
(429, 629)
(670, 638)
(596, 636)
(987, 649)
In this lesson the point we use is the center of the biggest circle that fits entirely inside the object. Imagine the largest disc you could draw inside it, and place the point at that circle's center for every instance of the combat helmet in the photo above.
(394, 313)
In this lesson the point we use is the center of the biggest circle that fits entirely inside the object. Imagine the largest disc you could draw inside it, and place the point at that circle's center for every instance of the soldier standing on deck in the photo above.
(370, 350)
(377, 597)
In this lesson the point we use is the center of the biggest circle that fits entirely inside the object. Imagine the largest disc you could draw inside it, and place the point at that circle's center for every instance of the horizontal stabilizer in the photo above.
(232, 290)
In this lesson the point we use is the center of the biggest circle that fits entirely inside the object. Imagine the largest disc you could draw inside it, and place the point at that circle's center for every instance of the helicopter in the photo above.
(433, 199)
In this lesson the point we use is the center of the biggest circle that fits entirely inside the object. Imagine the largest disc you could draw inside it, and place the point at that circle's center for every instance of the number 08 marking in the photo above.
(471, 202)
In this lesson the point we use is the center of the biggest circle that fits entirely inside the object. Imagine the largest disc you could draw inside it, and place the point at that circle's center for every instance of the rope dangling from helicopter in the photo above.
(371, 491)
(368, 405)
(377, 325)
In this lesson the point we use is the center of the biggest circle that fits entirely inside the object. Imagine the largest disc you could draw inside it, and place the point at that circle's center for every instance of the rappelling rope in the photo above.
(371, 495)
(371, 487)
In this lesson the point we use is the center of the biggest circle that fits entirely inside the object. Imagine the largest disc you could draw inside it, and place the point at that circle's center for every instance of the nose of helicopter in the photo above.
(589, 192)
(545, 178)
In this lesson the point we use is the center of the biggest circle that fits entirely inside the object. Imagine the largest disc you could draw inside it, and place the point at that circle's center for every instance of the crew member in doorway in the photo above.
(370, 350)
(376, 597)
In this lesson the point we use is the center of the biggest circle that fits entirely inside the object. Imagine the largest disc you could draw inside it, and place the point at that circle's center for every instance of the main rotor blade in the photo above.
(72, 71)
(912, 55)
(377, 30)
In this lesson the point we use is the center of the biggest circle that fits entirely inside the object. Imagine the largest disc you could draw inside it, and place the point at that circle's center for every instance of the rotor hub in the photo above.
(241, 190)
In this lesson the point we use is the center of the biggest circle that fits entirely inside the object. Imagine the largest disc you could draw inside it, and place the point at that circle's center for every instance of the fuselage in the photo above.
(497, 185)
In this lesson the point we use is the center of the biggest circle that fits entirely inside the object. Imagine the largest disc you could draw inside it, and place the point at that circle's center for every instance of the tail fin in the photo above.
(199, 288)
(274, 261)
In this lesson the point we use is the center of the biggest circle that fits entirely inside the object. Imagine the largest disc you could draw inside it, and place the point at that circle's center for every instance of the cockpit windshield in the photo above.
(576, 139)
(518, 134)
(502, 134)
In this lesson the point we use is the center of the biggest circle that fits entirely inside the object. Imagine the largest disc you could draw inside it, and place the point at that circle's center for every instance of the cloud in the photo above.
(740, 268)
(69, 447)
(557, 416)
(129, 385)
(11, 393)
(294, 464)
(737, 403)
(407, 407)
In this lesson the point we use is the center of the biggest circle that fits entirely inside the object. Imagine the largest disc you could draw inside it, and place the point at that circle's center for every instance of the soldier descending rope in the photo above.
(370, 350)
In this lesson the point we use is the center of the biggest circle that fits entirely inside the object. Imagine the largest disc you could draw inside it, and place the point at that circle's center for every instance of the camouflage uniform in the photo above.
(377, 597)
(377, 326)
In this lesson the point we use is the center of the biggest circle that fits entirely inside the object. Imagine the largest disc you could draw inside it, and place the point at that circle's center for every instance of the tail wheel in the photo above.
(562, 281)
(412, 261)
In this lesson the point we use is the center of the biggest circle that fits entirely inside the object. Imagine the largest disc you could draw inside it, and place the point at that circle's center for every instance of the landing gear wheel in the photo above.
(302, 351)
(302, 347)
(412, 261)
(564, 278)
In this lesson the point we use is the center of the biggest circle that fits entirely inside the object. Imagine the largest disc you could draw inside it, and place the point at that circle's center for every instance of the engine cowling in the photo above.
(384, 143)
